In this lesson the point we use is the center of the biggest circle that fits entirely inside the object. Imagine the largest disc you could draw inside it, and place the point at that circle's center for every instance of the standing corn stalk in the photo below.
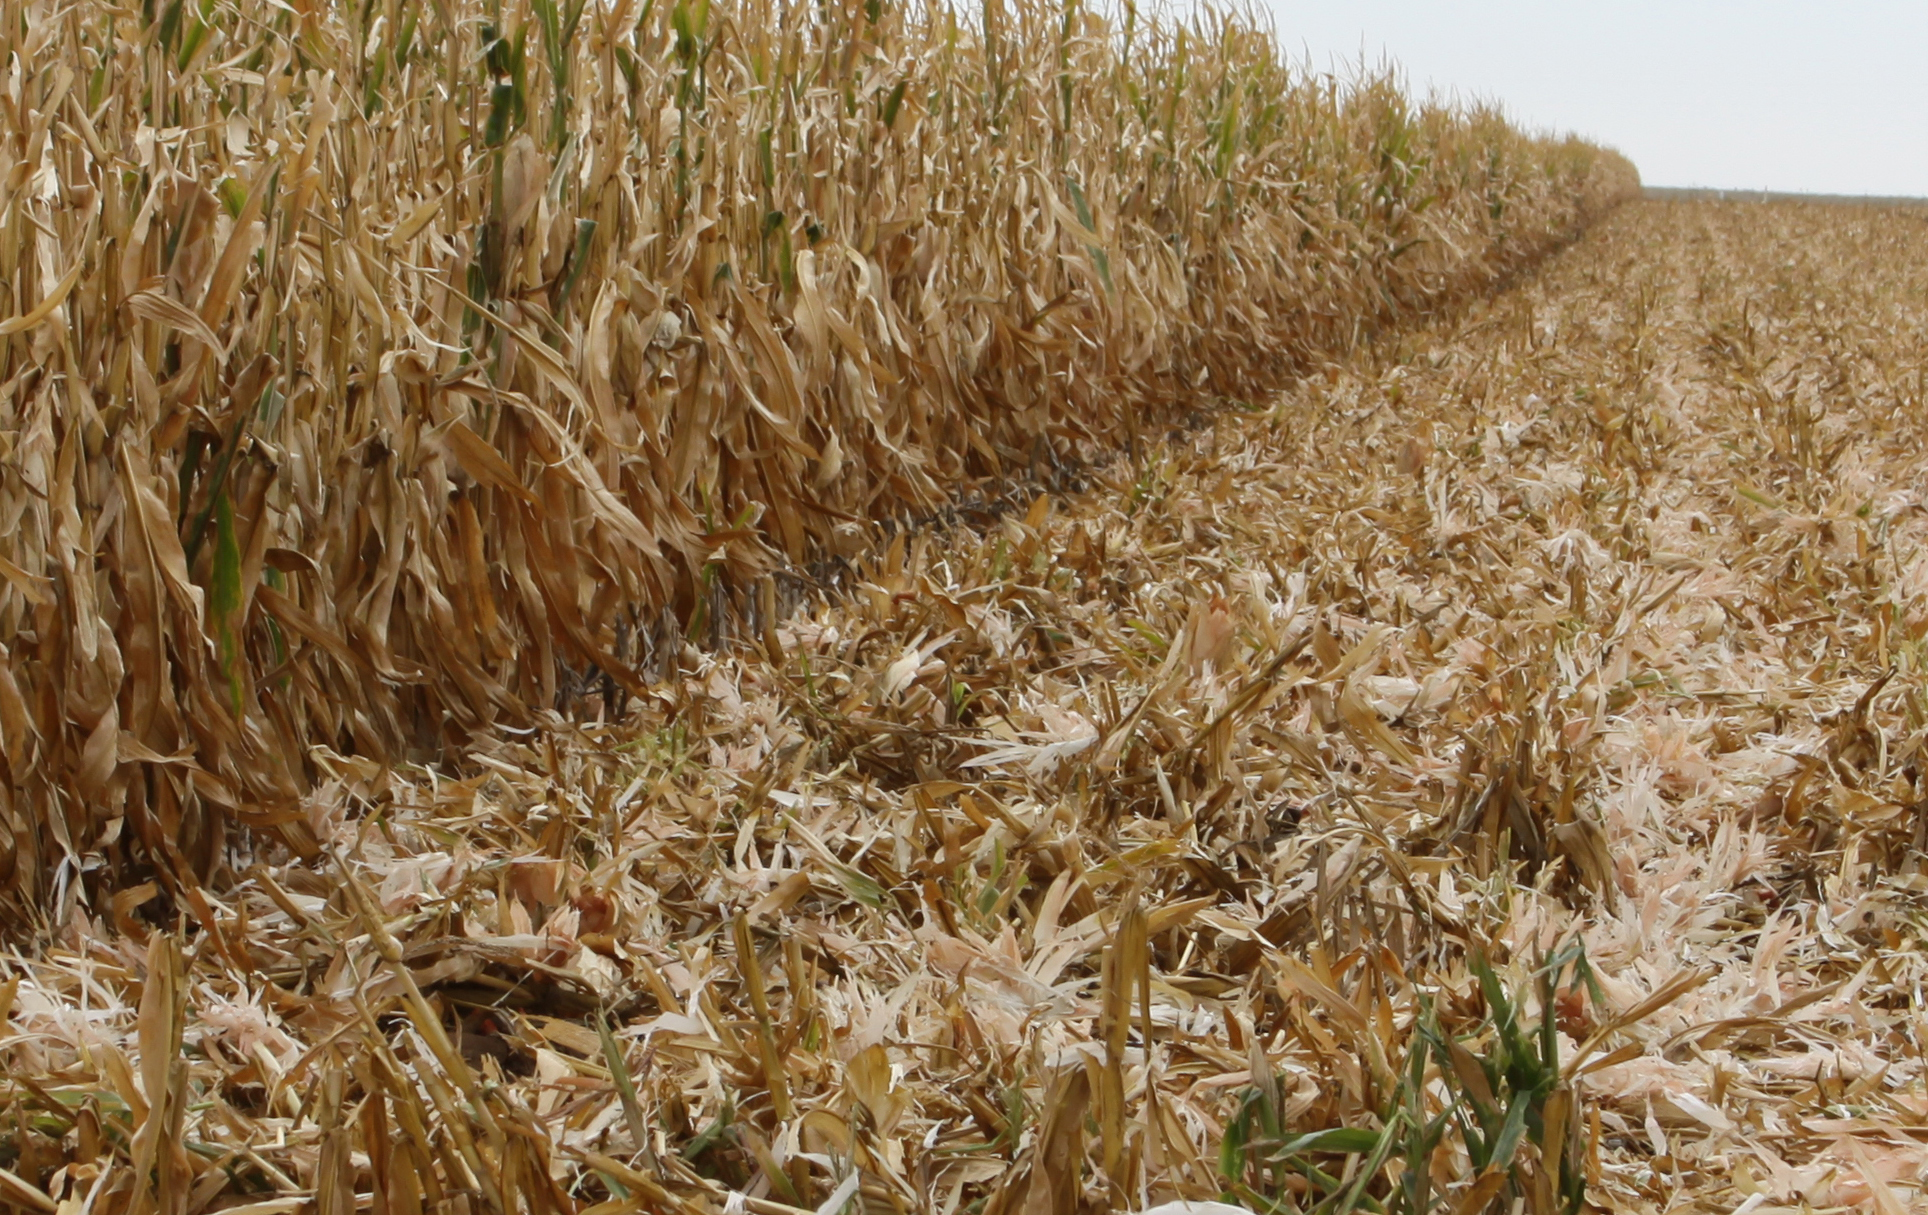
(367, 365)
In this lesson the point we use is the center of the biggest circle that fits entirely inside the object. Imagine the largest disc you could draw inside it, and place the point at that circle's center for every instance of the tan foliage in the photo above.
(1569, 617)
(370, 372)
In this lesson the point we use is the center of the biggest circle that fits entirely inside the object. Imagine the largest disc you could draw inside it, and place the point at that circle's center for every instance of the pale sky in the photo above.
(1829, 96)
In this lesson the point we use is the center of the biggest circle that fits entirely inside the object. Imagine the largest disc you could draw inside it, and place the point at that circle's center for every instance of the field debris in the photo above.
(376, 377)
(1010, 873)
(740, 607)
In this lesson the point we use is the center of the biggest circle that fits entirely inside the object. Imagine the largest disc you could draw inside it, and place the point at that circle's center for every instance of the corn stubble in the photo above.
(437, 780)
(1487, 779)
(374, 372)
(1473, 781)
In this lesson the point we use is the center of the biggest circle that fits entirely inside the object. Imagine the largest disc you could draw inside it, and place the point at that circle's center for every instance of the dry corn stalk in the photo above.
(1563, 619)
(369, 374)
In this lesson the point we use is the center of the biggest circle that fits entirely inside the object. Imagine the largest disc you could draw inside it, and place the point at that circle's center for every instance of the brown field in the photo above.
(1034, 852)
(388, 387)
(720, 607)
(373, 372)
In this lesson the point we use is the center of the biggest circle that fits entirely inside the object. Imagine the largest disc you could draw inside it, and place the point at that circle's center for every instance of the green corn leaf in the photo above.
(1512, 1130)
(1382, 1148)
(234, 196)
(625, 1086)
(578, 258)
(860, 886)
(224, 599)
(501, 110)
(1347, 1139)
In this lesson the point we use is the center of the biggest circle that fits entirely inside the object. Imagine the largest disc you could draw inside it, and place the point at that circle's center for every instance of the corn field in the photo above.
(380, 375)
(1484, 777)
(715, 607)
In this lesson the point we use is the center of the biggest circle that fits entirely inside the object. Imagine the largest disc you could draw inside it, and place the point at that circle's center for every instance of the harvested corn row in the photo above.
(1517, 723)
(374, 376)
